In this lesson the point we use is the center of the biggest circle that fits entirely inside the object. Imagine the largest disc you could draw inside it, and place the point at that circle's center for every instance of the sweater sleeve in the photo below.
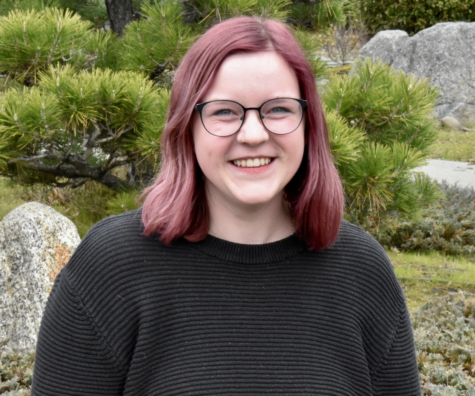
(72, 356)
(397, 374)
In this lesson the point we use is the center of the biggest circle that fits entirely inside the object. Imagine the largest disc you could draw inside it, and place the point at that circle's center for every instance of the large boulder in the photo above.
(35, 243)
(444, 53)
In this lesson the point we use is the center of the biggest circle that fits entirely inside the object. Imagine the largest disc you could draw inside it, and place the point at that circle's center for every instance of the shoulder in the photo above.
(355, 245)
(110, 246)
(364, 268)
(354, 237)
(114, 228)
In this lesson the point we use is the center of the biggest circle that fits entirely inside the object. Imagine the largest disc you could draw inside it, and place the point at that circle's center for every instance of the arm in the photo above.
(397, 373)
(72, 356)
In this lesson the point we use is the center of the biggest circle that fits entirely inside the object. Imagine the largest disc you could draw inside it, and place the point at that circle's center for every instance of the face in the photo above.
(249, 79)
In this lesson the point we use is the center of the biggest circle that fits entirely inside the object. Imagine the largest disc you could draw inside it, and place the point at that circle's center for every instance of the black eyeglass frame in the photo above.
(199, 107)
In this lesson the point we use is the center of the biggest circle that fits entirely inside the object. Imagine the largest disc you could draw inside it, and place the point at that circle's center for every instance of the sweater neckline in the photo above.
(251, 254)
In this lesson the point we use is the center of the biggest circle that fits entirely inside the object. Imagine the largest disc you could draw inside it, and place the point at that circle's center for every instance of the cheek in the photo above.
(297, 148)
(199, 140)
(209, 150)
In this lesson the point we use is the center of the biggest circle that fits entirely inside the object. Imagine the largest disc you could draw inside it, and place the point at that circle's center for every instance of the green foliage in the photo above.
(120, 115)
(16, 372)
(209, 12)
(311, 47)
(25, 5)
(447, 226)
(158, 42)
(386, 103)
(346, 142)
(320, 15)
(146, 140)
(413, 16)
(91, 10)
(8, 197)
(454, 145)
(445, 345)
(392, 111)
(123, 202)
(94, 11)
(34, 40)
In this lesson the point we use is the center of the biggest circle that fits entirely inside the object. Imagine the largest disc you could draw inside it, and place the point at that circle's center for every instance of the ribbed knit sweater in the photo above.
(131, 316)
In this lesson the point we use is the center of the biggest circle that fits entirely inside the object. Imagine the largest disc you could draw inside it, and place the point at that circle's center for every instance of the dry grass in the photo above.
(9, 198)
(424, 276)
(454, 146)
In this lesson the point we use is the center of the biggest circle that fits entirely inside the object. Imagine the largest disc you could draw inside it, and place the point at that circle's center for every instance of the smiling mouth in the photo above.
(252, 162)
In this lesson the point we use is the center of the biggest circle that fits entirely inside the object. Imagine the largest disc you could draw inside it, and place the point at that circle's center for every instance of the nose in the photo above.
(252, 131)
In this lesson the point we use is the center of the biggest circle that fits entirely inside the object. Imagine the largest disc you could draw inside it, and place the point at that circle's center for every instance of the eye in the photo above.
(223, 112)
(279, 109)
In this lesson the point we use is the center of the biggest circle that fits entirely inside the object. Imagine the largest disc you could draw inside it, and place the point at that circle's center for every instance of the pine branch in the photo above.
(75, 168)
(115, 135)
(73, 183)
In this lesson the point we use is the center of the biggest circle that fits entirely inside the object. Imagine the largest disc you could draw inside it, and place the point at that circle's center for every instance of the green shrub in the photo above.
(16, 372)
(123, 202)
(447, 226)
(386, 124)
(445, 345)
(413, 16)
(34, 40)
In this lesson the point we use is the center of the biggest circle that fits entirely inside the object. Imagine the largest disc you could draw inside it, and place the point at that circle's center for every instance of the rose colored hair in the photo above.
(175, 204)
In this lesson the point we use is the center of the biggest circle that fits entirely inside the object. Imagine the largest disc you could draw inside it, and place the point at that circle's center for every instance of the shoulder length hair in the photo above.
(175, 204)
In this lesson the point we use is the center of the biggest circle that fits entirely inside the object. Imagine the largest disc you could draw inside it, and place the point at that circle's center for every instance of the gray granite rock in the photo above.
(444, 53)
(385, 45)
(451, 123)
(35, 243)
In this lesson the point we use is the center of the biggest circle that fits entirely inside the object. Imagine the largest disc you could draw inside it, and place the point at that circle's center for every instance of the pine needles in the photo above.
(384, 116)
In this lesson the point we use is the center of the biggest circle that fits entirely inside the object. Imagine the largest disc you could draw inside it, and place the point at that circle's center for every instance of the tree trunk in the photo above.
(76, 169)
(120, 14)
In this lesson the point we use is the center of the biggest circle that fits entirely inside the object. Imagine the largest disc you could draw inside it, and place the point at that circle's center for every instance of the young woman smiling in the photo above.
(238, 275)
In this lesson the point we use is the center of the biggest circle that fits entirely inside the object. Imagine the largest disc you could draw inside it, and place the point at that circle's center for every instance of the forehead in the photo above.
(253, 77)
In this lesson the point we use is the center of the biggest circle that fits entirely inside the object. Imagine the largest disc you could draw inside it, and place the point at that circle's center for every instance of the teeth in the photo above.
(252, 163)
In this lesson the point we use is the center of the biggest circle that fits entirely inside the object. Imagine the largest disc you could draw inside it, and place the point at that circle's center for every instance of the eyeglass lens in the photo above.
(224, 118)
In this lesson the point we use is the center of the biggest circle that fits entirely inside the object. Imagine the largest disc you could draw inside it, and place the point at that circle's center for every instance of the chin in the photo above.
(257, 199)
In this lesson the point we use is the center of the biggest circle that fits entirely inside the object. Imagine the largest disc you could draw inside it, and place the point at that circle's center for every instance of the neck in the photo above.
(250, 224)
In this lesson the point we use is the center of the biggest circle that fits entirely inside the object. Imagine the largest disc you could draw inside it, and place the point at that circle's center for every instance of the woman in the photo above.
(238, 276)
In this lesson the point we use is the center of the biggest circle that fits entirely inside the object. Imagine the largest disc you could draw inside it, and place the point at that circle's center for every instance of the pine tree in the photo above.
(381, 127)
(75, 127)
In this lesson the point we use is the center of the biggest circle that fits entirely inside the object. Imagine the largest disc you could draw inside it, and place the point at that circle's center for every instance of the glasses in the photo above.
(225, 117)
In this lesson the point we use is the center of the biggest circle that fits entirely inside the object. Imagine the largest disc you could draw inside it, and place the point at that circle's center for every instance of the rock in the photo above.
(444, 53)
(452, 123)
(385, 45)
(464, 112)
(35, 243)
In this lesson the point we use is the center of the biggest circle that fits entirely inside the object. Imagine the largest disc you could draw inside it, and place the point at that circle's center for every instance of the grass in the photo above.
(84, 206)
(9, 198)
(454, 146)
(424, 276)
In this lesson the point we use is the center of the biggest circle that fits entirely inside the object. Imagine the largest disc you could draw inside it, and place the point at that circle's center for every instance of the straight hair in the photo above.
(175, 204)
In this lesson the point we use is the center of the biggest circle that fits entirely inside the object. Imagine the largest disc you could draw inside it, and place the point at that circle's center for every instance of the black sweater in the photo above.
(130, 316)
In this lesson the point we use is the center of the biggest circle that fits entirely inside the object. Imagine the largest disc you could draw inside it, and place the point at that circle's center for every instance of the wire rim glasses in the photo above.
(280, 116)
